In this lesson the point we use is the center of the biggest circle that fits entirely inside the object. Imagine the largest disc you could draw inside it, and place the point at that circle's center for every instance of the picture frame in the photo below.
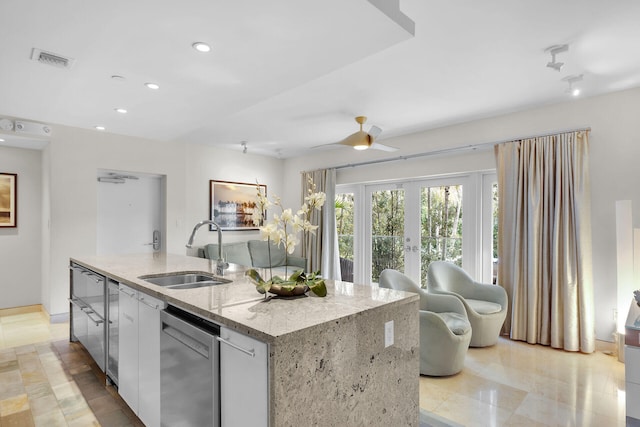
(231, 204)
(8, 200)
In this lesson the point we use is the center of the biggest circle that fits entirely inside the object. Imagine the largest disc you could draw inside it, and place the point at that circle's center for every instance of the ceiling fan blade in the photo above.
(328, 146)
(382, 147)
(375, 131)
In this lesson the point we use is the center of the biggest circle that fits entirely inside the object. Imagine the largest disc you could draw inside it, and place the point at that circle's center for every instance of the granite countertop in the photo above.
(237, 304)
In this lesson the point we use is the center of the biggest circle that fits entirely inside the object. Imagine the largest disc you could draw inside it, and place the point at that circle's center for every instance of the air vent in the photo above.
(51, 58)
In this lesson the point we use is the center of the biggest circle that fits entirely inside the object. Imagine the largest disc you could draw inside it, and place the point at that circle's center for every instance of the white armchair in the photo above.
(445, 331)
(486, 305)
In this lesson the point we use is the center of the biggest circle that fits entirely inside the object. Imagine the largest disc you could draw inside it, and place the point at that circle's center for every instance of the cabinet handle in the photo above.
(154, 306)
(77, 303)
(86, 310)
(251, 352)
(127, 293)
(89, 315)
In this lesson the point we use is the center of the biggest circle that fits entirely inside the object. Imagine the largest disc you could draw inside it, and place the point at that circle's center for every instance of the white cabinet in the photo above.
(139, 353)
(243, 380)
(632, 384)
(128, 346)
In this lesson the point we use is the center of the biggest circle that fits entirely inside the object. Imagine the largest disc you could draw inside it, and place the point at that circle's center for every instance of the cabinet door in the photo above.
(243, 380)
(149, 359)
(128, 346)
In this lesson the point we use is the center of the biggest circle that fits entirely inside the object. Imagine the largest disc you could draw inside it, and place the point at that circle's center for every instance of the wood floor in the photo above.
(47, 381)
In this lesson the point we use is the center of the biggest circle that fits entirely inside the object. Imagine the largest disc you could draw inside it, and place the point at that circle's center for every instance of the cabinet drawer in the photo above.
(632, 364)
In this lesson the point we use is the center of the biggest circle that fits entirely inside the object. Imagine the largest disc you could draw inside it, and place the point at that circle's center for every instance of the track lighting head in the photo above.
(244, 147)
(574, 91)
(554, 50)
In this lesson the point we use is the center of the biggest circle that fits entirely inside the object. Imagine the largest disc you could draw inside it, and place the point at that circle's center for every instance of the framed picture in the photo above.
(8, 200)
(233, 203)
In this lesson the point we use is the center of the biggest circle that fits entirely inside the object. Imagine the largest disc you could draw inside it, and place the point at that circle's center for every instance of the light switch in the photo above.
(388, 333)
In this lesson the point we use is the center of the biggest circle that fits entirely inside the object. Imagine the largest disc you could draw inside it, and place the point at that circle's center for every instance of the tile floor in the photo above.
(47, 381)
(517, 384)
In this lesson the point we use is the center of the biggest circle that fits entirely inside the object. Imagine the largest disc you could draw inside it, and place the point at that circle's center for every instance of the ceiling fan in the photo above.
(362, 140)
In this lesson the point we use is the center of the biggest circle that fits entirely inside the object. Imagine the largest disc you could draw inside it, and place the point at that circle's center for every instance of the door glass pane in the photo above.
(387, 231)
(344, 224)
(441, 226)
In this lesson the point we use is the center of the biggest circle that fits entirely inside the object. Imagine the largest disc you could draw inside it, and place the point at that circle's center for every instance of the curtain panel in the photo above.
(544, 240)
(321, 249)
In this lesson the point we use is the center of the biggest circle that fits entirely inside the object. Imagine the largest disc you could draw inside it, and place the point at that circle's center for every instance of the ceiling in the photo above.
(287, 75)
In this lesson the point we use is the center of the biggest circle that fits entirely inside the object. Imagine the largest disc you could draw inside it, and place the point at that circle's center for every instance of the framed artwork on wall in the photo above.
(232, 204)
(8, 200)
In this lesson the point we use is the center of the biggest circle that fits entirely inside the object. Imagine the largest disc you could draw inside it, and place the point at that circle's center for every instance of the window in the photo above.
(344, 205)
(406, 225)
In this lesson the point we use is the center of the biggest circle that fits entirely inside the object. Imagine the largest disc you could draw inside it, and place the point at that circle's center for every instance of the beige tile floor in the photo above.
(517, 384)
(47, 381)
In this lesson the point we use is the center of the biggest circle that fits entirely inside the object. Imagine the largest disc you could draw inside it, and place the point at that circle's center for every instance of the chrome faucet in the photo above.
(220, 264)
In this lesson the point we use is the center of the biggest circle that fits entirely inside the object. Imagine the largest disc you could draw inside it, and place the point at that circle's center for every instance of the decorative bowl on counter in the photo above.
(297, 284)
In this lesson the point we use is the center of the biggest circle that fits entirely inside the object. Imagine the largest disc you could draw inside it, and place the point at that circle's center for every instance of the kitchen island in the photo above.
(330, 361)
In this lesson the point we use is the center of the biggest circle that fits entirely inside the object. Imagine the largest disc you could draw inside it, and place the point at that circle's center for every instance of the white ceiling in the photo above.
(287, 75)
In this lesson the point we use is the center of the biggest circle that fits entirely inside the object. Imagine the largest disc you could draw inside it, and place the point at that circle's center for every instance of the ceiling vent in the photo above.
(53, 59)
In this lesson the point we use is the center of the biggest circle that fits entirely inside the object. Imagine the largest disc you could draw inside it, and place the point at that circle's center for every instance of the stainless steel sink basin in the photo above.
(184, 280)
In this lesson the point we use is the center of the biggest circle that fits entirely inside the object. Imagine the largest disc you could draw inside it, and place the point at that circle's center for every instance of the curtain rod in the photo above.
(451, 150)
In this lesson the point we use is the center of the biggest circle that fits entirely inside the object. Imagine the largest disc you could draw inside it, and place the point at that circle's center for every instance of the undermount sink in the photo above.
(184, 280)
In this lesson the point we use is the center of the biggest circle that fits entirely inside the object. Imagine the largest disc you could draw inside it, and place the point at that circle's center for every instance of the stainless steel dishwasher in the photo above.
(189, 370)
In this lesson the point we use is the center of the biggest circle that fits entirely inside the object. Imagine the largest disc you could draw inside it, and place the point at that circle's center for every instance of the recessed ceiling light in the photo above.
(121, 110)
(153, 86)
(201, 47)
(117, 78)
(1, 139)
(100, 127)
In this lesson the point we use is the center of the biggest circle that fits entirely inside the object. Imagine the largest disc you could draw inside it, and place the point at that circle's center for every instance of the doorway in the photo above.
(131, 210)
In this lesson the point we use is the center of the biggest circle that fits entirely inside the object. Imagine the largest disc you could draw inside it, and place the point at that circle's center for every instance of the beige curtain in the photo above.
(321, 249)
(544, 240)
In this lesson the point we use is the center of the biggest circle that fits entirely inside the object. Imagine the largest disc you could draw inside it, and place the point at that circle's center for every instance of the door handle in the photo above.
(156, 240)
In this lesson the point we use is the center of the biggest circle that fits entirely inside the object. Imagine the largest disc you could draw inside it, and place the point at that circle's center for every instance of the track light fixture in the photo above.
(244, 147)
(574, 91)
(554, 50)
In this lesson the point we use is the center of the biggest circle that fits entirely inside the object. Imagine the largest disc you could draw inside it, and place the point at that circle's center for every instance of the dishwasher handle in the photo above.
(251, 352)
(185, 339)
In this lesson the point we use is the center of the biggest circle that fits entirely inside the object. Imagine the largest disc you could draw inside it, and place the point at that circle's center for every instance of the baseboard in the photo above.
(606, 347)
(59, 318)
(35, 308)
(21, 310)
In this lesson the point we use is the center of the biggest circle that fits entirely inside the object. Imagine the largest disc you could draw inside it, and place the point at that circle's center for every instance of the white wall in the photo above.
(75, 155)
(20, 255)
(205, 164)
(615, 150)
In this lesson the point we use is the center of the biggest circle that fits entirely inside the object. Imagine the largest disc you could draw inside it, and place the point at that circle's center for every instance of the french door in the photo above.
(410, 224)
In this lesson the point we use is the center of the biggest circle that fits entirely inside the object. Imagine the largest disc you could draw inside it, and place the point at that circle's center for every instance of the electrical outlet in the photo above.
(615, 314)
(388, 334)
